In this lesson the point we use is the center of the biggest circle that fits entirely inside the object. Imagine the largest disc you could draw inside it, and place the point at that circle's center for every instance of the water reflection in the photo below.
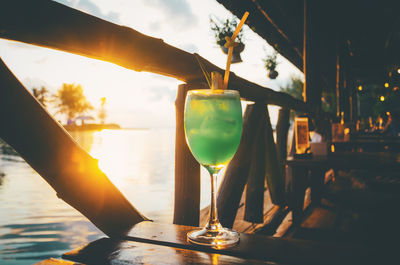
(35, 224)
(141, 164)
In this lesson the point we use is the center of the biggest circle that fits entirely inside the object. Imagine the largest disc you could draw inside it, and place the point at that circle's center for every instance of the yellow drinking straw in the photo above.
(230, 43)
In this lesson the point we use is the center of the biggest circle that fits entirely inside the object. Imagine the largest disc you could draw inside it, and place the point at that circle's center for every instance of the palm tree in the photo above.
(71, 100)
(41, 95)
(102, 111)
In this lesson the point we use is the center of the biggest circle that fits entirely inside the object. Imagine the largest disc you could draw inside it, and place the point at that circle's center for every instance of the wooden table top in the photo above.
(155, 243)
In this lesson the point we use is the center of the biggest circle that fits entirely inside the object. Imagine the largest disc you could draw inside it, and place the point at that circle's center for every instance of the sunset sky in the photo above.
(140, 99)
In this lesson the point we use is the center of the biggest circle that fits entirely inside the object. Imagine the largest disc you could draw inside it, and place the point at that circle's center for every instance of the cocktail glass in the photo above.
(213, 129)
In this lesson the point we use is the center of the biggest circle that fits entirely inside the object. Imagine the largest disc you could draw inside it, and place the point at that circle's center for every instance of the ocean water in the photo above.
(35, 224)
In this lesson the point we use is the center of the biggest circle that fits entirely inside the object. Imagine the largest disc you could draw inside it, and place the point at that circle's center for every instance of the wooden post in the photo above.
(50, 150)
(311, 48)
(296, 200)
(340, 83)
(317, 178)
(187, 169)
(353, 103)
(338, 76)
(282, 129)
(345, 97)
(236, 173)
(254, 203)
(273, 170)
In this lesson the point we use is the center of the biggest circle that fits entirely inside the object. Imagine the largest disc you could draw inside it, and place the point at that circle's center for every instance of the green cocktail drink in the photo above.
(213, 125)
(213, 128)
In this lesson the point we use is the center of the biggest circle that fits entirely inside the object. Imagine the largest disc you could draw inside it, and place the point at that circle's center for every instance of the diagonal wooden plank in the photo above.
(50, 150)
(236, 173)
(256, 180)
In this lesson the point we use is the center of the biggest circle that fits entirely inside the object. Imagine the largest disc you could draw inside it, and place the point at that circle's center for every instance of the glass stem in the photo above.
(213, 222)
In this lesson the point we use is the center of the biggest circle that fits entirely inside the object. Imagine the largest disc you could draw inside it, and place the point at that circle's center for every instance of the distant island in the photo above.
(91, 127)
(70, 101)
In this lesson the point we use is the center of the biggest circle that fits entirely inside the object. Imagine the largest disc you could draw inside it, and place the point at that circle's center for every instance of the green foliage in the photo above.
(270, 61)
(371, 104)
(42, 95)
(294, 87)
(71, 100)
(224, 29)
(328, 101)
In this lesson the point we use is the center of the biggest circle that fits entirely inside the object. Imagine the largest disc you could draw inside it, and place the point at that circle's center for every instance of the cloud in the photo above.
(31, 82)
(177, 12)
(89, 7)
(189, 47)
(157, 93)
(155, 26)
(41, 60)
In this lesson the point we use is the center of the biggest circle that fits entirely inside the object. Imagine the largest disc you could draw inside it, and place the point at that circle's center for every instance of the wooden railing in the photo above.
(63, 28)
(52, 25)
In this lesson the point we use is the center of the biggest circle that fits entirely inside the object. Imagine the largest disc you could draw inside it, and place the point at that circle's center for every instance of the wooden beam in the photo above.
(285, 40)
(53, 25)
(45, 145)
(269, 30)
(187, 169)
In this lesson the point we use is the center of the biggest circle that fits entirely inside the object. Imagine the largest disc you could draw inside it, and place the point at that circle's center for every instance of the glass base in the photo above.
(220, 239)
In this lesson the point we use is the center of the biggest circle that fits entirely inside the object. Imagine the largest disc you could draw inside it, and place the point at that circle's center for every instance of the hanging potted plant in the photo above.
(270, 65)
(225, 29)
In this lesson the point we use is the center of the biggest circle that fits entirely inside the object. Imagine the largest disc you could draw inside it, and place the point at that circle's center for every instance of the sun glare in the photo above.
(109, 142)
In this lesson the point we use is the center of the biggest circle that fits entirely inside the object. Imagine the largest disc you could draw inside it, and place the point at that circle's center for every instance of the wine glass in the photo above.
(213, 129)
